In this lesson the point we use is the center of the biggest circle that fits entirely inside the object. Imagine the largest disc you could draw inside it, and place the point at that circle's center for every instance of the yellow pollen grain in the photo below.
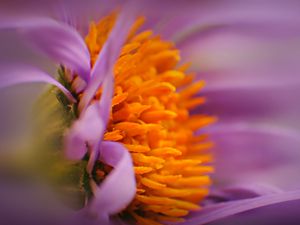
(150, 116)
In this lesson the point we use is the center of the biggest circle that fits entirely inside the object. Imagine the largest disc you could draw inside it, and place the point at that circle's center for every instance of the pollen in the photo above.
(154, 95)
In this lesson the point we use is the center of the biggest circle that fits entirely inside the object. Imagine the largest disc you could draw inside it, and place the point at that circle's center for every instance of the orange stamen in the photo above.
(150, 116)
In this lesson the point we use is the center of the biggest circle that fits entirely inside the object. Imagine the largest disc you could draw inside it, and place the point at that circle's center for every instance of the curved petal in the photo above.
(104, 106)
(222, 210)
(17, 73)
(108, 55)
(118, 188)
(88, 129)
(265, 154)
(276, 214)
(238, 192)
(58, 41)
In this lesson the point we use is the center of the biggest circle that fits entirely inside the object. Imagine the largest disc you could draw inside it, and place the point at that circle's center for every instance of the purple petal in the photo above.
(233, 60)
(104, 111)
(239, 70)
(118, 188)
(238, 192)
(75, 13)
(88, 129)
(108, 55)
(78, 14)
(106, 98)
(277, 214)
(264, 154)
(190, 18)
(222, 210)
(57, 40)
(17, 74)
(271, 31)
(277, 103)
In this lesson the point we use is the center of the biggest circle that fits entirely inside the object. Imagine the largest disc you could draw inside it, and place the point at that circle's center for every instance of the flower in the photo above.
(123, 85)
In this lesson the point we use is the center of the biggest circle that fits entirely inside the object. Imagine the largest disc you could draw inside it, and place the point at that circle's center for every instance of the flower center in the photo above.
(150, 116)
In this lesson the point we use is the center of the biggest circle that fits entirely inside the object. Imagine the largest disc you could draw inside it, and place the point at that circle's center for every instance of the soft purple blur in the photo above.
(246, 51)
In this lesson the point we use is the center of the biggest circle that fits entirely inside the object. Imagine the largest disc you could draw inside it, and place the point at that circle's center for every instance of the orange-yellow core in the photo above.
(150, 117)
